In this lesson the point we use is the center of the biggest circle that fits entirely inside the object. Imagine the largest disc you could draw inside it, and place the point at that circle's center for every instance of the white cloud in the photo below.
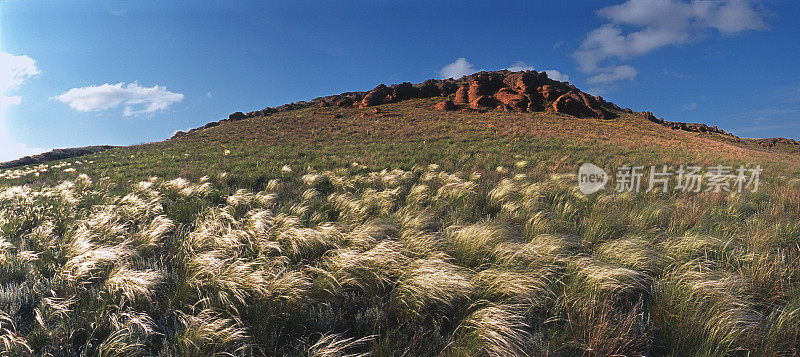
(520, 66)
(135, 99)
(657, 23)
(551, 73)
(612, 74)
(557, 75)
(457, 69)
(14, 70)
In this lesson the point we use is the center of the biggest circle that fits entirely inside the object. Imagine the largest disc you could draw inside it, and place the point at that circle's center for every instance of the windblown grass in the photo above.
(392, 262)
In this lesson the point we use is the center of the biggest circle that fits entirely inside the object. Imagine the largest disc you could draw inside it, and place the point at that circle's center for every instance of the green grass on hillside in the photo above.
(411, 232)
(409, 133)
(419, 262)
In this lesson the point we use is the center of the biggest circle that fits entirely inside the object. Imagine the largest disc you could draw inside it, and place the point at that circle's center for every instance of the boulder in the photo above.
(403, 91)
(342, 101)
(178, 134)
(512, 99)
(462, 94)
(447, 88)
(429, 88)
(477, 89)
(377, 96)
(373, 98)
(483, 102)
(535, 102)
(523, 82)
(549, 92)
(446, 105)
(572, 104)
(210, 125)
(237, 116)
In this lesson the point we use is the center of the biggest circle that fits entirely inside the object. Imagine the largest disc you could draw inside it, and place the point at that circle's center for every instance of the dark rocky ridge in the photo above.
(770, 142)
(53, 155)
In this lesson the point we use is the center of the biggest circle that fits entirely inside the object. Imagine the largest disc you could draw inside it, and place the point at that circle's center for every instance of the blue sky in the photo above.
(76, 73)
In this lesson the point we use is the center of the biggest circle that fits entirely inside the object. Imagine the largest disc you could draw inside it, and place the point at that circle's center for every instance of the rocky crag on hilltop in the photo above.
(524, 91)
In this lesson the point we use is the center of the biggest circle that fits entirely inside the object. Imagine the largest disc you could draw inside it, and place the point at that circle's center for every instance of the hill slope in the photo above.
(398, 228)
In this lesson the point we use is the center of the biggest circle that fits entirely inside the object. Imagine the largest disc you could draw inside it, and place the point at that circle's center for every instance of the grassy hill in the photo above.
(404, 231)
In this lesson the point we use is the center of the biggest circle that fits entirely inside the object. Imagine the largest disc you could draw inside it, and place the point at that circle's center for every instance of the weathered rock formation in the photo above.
(505, 90)
(693, 127)
(525, 91)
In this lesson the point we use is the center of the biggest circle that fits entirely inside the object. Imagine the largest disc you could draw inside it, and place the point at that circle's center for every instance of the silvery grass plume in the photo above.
(89, 261)
(543, 248)
(430, 285)
(712, 305)
(634, 253)
(130, 335)
(309, 243)
(530, 289)
(133, 285)
(370, 271)
(473, 245)
(366, 236)
(494, 330)
(694, 246)
(208, 333)
(233, 280)
(334, 345)
(52, 310)
(599, 279)
(10, 342)
(150, 236)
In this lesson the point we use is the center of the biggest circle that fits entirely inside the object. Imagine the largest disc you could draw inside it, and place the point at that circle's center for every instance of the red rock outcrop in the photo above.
(513, 91)
(501, 90)
(572, 104)
(445, 105)
(462, 94)
(377, 96)
(403, 91)
(483, 102)
(770, 142)
(512, 99)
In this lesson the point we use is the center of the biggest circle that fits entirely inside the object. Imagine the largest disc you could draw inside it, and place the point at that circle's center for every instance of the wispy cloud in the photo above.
(689, 106)
(14, 71)
(656, 24)
(788, 95)
(134, 98)
(764, 129)
(764, 113)
(676, 74)
(457, 69)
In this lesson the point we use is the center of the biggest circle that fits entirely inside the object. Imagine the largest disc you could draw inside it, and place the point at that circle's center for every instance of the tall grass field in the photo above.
(414, 233)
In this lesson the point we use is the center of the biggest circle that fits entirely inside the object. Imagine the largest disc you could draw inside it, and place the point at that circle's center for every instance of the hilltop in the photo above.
(525, 91)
